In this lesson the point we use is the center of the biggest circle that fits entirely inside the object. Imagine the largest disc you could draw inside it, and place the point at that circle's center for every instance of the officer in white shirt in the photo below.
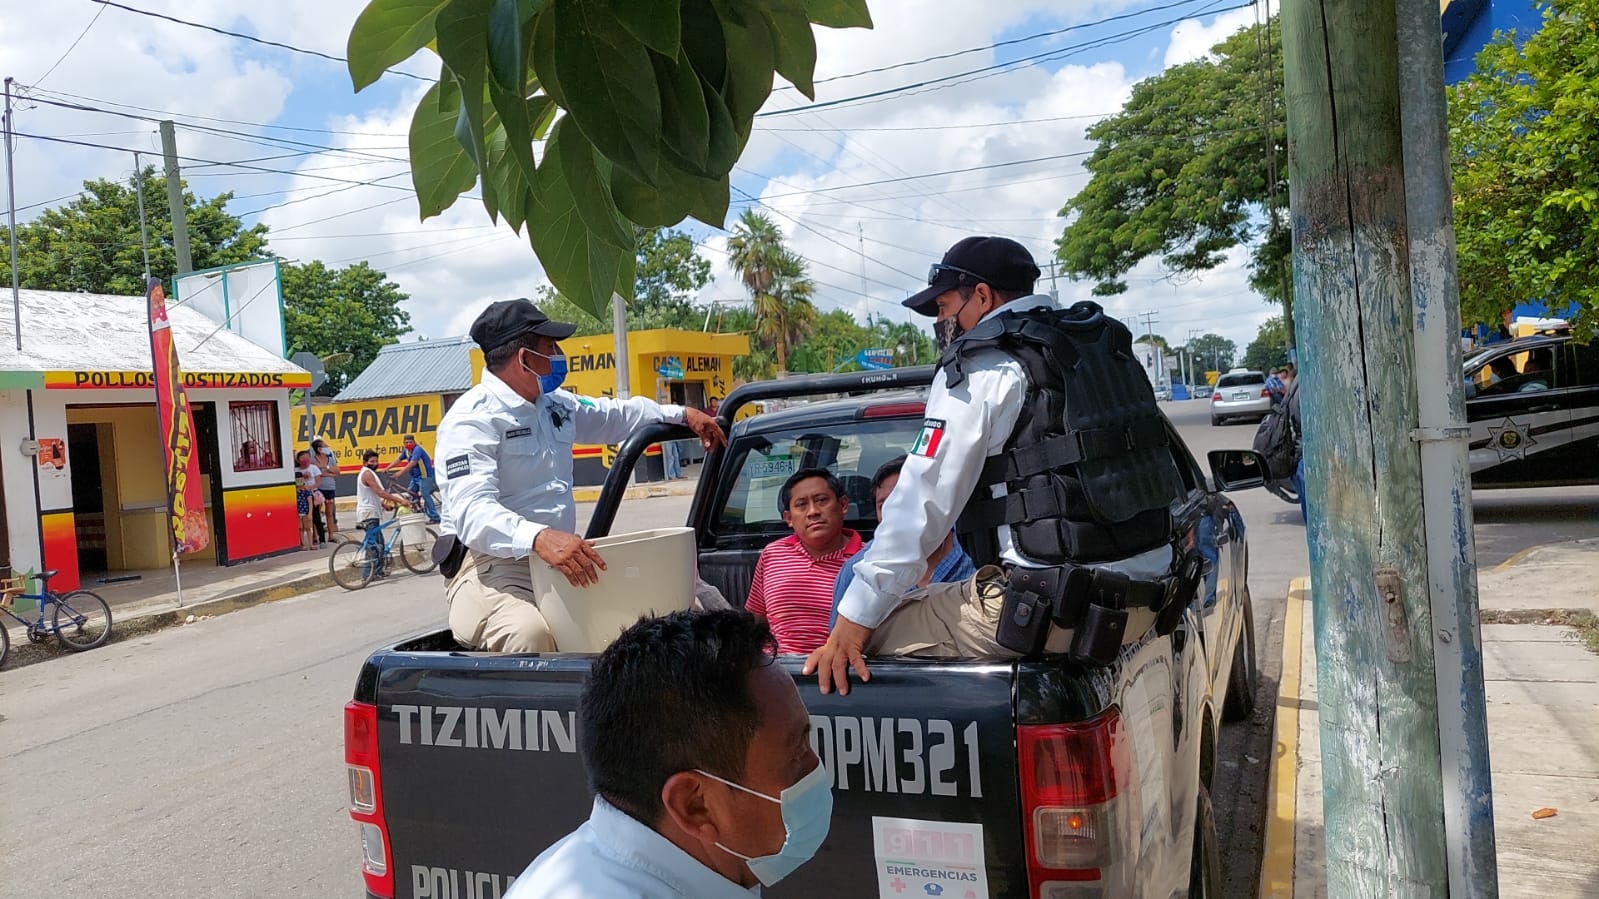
(698, 751)
(978, 279)
(504, 464)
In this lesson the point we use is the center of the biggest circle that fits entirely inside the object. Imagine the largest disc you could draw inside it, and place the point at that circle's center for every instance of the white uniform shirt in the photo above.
(613, 855)
(964, 426)
(504, 465)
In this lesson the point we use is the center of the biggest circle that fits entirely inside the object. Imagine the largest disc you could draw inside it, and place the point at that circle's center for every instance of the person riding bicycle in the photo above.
(415, 460)
(370, 495)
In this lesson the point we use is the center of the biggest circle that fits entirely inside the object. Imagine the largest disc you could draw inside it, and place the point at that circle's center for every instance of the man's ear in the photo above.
(786, 518)
(684, 803)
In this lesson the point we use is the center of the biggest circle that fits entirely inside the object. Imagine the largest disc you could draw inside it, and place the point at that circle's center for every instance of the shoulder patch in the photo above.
(932, 434)
(458, 466)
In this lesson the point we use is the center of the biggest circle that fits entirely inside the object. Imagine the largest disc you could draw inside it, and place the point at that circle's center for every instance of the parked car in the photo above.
(1533, 407)
(1200, 392)
(1163, 393)
(1239, 393)
(1015, 778)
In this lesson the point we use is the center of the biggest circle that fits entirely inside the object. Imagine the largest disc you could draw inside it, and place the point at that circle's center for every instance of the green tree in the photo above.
(780, 291)
(670, 270)
(354, 310)
(1269, 348)
(92, 244)
(1524, 135)
(644, 108)
(1183, 172)
(1213, 352)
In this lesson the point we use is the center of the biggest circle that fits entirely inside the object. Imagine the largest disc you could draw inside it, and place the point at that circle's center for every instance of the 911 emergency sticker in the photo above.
(931, 436)
(943, 859)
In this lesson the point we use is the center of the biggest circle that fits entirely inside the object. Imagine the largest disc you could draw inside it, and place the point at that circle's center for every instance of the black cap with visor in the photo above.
(999, 262)
(506, 320)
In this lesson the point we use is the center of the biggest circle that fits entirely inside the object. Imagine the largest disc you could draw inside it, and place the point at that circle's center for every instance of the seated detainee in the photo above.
(948, 563)
(793, 583)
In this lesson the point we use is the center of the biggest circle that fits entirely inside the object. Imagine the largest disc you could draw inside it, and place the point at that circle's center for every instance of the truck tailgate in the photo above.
(481, 773)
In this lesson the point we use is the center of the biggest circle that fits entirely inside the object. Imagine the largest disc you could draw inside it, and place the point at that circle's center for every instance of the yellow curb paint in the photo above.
(1517, 559)
(1277, 856)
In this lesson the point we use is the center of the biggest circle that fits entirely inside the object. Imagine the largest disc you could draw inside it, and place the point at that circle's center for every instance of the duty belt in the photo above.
(1091, 601)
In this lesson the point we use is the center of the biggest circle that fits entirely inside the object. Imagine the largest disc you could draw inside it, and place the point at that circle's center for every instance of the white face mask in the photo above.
(807, 814)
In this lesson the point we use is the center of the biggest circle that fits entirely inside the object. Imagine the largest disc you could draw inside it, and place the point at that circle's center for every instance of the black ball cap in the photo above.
(996, 261)
(506, 320)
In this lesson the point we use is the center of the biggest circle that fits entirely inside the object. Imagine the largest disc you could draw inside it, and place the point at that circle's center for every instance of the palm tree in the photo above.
(777, 281)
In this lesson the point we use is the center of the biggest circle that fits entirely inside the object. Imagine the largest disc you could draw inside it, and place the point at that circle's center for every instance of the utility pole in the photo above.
(860, 234)
(1406, 800)
(619, 342)
(11, 209)
(179, 209)
(144, 234)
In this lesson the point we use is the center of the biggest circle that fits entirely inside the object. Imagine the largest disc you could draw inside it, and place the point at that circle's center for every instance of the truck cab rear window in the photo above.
(851, 450)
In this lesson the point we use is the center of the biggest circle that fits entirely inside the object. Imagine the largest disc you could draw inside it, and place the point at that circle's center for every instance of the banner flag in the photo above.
(186, 507)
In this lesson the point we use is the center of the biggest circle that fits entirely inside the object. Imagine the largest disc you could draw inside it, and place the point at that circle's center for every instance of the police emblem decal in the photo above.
(931, 436)
(458, 466)
(1510, 439)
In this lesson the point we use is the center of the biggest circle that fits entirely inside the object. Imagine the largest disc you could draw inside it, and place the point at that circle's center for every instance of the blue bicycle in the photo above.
(356, 563)
(80, 619)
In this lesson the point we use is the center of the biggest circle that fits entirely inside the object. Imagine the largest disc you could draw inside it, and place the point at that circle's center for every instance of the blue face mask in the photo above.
(807, 813)
(551, 382)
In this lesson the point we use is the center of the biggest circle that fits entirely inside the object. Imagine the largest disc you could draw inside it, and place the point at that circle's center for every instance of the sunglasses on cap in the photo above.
(939, 268)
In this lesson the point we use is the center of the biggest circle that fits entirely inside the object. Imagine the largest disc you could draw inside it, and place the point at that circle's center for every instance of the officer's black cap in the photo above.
(999, 262)
(506, 320)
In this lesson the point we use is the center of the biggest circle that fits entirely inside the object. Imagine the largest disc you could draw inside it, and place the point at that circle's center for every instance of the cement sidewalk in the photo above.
(1542, 687)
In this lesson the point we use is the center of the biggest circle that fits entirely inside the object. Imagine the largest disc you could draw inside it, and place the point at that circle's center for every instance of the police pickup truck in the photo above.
(960, 779)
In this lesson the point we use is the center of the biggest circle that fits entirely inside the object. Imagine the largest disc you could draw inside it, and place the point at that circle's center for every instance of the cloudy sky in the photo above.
(325, 168)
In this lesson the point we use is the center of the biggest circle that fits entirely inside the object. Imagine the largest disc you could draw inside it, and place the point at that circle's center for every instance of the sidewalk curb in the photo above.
(150, 619)
(1277, 851)
(638, 491)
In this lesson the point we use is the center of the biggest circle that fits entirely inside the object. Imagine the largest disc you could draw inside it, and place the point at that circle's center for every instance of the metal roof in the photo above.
(421, 366)
(68, 331)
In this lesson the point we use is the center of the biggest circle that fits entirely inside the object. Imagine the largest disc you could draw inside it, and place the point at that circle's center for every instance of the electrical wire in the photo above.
(62, 58)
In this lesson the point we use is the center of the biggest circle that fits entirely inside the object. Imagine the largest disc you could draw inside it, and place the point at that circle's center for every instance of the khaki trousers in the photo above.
(492, 606)
(959, 620)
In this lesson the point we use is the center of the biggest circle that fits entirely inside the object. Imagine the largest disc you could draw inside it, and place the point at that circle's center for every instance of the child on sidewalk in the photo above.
(306, 476)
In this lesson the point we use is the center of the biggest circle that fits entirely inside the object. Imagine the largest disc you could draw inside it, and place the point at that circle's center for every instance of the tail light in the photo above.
(1265, 393)
(1080, 808)
(366, 797)
(1215, 396)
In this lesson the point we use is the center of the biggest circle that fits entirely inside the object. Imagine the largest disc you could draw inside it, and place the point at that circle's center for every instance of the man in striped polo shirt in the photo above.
(793, 583)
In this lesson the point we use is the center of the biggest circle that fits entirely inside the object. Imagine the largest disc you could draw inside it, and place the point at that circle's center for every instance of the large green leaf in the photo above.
(510, 187)
(610, 86)
(506, 53)
(581, 252)
(515, 119)
(388, 32)
(750, 58)
(647, 205)
(703, 42)
(653, 22)
(712, 197)
(544, 40)
(839, 13)
(461, 28)
(726, 141)
(796, 47)
(440, 169)
(684, 117)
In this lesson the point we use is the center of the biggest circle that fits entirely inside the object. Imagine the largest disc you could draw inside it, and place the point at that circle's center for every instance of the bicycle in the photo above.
(356, 563)
(80, 620)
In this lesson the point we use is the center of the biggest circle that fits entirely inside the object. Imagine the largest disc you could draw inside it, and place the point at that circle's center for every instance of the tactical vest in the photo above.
(1088, 472)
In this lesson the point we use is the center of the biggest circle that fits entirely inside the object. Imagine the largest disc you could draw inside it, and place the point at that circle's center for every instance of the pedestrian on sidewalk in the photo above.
(415, 460)
(673, 460)
(328, 462)
(306, 476)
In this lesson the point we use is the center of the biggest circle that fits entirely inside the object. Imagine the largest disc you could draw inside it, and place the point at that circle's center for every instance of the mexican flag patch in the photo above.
(928, 440)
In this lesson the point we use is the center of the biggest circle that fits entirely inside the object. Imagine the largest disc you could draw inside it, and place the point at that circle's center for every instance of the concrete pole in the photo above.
(1442, 434)
(11, 208)
(144, 234)
(1354, 323)
(180, 209)
(619, 340)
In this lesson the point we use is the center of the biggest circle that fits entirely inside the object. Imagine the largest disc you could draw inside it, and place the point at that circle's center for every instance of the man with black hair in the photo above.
(505, 472)
(698, 752)
(793, 582)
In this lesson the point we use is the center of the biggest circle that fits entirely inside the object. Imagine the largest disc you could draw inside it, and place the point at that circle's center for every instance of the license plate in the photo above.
(1240, 394)
(782, 466)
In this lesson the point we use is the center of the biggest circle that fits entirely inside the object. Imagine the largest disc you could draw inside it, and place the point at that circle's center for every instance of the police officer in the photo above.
(504, 462)
(978, 398)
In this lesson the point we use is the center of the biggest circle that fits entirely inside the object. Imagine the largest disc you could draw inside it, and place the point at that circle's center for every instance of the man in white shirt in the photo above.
(971, 417)
(504, 463)
(698, 751)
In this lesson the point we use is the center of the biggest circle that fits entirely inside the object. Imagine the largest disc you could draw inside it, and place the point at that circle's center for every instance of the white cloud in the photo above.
(454, 264)
(1191, 39)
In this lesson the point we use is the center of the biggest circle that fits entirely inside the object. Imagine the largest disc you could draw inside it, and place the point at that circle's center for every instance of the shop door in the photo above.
(88, 497)
(205, 440)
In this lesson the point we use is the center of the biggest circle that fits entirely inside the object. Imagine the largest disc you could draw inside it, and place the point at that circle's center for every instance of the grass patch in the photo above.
(1583, 624)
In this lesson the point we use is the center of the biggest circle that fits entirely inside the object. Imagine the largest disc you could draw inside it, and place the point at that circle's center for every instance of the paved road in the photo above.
(207, 760)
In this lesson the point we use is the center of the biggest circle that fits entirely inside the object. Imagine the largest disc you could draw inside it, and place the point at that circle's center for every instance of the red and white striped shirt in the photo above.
(793, 591)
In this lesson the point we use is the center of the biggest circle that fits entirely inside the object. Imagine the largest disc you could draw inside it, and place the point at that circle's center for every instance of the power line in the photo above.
(183, 117)
(245, 37)
(1005, 124)
(998, 44)
(975, 168)
(62, 58)
(945, 81)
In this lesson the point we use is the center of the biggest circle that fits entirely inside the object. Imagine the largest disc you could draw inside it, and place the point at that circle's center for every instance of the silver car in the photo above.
(1239, 394)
